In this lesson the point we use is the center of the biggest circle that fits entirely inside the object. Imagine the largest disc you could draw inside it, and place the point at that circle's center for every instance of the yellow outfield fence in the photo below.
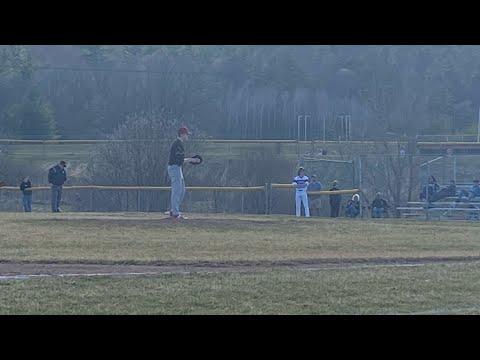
(144, 188)
(322, 192)
(191, 188)
(266, 190)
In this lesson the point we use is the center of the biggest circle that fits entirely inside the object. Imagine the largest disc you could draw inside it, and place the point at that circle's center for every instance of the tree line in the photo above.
(242, 92)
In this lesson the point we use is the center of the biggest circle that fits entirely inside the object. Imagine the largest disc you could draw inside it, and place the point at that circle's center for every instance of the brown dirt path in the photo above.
(16, 270)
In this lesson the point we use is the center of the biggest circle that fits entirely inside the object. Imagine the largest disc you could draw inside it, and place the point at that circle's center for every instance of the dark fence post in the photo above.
(270, 197)
(138, 200)
(92, 200)
(267, 189)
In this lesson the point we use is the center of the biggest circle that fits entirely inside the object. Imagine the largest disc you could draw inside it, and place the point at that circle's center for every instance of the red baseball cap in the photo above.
(183, 130)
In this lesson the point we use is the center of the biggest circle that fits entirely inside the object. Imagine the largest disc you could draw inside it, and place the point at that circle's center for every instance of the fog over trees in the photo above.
(239, 92)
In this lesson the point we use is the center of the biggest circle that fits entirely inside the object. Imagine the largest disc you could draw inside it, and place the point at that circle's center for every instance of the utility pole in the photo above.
(298, 127)
(348, 125)
(306, 117)
(342, 125)
(324, 127)
(299, 135)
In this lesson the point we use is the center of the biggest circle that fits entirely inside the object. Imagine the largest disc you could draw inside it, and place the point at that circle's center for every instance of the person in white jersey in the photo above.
(300, 182)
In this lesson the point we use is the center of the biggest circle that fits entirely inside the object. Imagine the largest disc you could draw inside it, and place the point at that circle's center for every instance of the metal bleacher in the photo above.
(449, 208)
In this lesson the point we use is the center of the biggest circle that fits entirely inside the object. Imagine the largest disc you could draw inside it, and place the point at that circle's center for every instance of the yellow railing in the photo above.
(266, 189)
(191, 188)
(145, 188)
(322, 192)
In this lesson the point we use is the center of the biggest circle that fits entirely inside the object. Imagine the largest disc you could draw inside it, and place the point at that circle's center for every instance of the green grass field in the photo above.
(435, 289)
(147, 238)
(252, 247)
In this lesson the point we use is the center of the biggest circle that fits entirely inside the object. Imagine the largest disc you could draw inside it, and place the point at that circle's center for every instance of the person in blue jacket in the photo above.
(314, 201)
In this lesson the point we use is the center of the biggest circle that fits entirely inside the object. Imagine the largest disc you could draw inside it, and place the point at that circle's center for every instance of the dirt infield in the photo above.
(15, 270)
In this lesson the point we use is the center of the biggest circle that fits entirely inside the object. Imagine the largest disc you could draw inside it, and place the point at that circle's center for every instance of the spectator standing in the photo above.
(314, 201)
(300, 182)
(25, 187)
(57, 176)
(335, 200)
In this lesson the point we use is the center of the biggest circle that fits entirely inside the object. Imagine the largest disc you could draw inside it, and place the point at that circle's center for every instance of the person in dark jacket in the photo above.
(432, 188)
(448, 191)
(57, 175)
(353, 206)
(335, 200)
(25, 186)
(474, 190)
(379, 206)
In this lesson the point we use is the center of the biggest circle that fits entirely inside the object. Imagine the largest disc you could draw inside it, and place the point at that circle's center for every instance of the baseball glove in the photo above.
(197, 157)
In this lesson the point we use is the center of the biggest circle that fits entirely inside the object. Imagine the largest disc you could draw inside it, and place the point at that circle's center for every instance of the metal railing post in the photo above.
(215, 200)
(455, 169)
(92, 200)
(298, 127)
(138, 200)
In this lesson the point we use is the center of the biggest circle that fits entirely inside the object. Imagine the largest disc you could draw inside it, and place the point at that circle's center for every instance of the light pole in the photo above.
(298, 126)
(348, 124)
(305, 127)
(345, 123)
(324, 127)
(306, 117)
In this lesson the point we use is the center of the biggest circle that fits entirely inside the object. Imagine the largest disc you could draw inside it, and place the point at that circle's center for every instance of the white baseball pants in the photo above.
(299, 199)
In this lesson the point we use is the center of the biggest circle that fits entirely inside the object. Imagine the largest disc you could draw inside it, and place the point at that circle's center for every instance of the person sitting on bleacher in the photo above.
(450, 190)
(432, 187)
(379, 206)
(353, 207)
(474, 190)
